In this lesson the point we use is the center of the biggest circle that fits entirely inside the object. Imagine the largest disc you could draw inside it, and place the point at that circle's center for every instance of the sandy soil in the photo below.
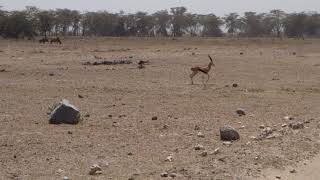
(121, 100)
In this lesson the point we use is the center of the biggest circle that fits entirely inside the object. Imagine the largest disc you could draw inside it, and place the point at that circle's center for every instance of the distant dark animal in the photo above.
(56, 40)
(44, 40)
(142, 63)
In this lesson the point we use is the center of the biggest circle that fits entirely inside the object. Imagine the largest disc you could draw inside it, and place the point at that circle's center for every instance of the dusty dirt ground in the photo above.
(121, 100)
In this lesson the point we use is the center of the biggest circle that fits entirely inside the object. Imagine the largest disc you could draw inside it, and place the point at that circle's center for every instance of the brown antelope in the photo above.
(204, 70)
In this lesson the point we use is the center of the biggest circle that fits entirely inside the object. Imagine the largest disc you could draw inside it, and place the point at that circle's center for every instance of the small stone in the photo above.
(298, 125)
(278, 177)
(235, 85)
(267, 131)
(154, 118)
(65, 178)
(164, 174)
(80, 96)
(87, 115)
(130, 154)
(216, 151)
(204, 154)
(262, 126)
(241, 112)
(173, 175)
(227, 143)
(284, 125)
(241, 53)
(293, 171)
(242, 127)
(229, 134)
(60, 171)
(169, 159)
(196, 128)
(198, 147)
(288, 118)
(131, 178)
(200, 135)
(95, 170)
(69, 132)
(51, 74)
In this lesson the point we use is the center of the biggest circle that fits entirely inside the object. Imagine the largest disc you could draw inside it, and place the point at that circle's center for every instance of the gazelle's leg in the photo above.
(192, 75)
(208, 78)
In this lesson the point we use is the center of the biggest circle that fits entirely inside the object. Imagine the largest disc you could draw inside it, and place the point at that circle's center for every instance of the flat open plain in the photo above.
(275, 78)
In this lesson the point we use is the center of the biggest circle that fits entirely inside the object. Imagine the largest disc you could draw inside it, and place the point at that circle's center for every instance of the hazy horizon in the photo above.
(150, 6)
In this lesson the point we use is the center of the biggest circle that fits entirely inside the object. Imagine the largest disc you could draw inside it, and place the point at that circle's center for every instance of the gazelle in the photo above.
(204, 70)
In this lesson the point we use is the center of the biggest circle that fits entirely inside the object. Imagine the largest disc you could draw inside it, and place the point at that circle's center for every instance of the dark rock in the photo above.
(80, 96)
(65, 113)
(229, 134)
(154, 118)
(298, 125)
(235, 85)
(241, 112)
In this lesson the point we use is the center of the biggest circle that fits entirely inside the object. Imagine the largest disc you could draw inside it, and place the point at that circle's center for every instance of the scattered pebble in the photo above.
(154, 118)
(298, 125)
(169, 158)
(198, 147)
(262, 126)
(173, 175)
(196, 128)
(200, 135)
(216, 151)
(95, 170)
(235, 85)
(284, 125)
(204, 154)
(293, 171)
(241, 112)
(227, 143)
(80, 96)
(165, 174)
(288, 118)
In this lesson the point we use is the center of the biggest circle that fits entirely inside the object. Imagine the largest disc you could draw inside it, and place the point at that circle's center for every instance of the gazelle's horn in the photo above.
(210, 58)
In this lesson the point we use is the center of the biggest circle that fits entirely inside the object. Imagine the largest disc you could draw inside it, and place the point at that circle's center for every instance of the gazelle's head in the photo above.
(211, 61)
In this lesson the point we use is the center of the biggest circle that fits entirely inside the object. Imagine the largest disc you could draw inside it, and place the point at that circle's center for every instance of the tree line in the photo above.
(176, 22)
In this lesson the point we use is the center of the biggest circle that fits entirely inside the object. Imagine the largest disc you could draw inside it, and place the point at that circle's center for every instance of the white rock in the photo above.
(169, 158)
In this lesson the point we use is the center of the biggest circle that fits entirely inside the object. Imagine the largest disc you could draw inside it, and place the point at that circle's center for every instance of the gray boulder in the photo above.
(228, 133)
(65, 113)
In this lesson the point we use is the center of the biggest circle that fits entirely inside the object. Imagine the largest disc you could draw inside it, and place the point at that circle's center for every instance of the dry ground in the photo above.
(272, 85)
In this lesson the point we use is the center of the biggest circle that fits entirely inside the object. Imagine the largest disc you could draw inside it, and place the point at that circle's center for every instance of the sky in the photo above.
(218, 7)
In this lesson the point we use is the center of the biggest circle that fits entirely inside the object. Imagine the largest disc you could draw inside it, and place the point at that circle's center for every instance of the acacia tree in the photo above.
(232, 22)
(46, 22)
(162, 22)
(277, 18)
(295, 25)
(17, 25)
(178, 20)
(211, 26)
